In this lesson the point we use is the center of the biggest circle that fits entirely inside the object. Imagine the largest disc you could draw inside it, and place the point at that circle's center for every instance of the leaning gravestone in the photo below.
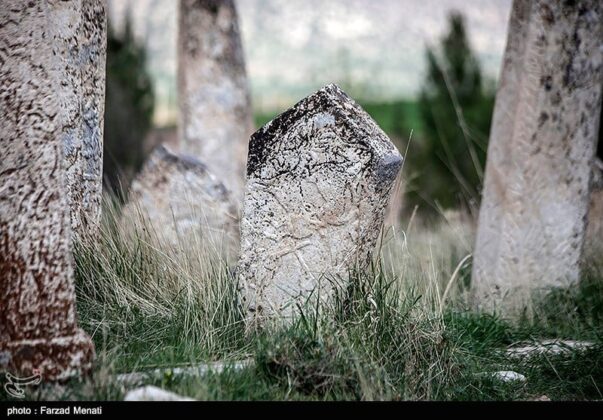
(83, 45)
(215, 119)
(183, 201)
(319, 178)
(38, 329)
(536, 191)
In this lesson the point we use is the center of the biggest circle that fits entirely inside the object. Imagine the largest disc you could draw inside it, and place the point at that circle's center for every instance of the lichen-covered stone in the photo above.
(215, 119)
(38, 327)
(319, 178)
(537, 182)
(82, 44)
(182, 200)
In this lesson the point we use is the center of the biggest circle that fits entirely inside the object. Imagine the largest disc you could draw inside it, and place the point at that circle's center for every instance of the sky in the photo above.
(376, 48)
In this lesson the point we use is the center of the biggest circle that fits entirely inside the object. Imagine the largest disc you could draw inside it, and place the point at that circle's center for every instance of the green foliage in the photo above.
(447, 161)
(387, 336)
(128, 108)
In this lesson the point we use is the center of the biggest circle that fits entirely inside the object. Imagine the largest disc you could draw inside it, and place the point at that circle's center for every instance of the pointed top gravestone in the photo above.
(215, 116)
(319, 178)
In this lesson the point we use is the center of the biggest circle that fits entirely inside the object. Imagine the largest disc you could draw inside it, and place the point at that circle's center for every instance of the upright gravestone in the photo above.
(184, 202)
(536, 191)
(319, 178)
(38, 329)
(215, 112)
(82, 44)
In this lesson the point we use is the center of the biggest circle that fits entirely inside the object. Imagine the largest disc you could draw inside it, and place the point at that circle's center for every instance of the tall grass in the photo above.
(150, 303)
(400, 330)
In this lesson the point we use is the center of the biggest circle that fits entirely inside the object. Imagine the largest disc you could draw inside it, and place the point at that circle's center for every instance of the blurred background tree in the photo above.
(129, 107)
(446, 162)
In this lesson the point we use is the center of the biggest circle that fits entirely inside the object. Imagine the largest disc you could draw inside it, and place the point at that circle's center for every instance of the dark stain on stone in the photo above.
(213, 6)
(542, 119)
(572, 50)
(548, 17)
(547, 82)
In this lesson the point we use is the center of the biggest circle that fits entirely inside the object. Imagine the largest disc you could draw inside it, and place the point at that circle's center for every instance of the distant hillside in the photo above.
(374, 49)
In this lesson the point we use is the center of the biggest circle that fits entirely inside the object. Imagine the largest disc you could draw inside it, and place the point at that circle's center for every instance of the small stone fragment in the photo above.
(508, 376)
(152, 393)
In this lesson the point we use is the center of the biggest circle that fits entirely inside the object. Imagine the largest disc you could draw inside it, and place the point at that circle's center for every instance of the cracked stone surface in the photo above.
(536, 192)
(182, 200)
(215, 119)
(38, 328)
(319, 177)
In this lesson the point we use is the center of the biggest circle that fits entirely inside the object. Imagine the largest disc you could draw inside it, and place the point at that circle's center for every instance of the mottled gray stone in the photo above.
(319, 178)
(38, 329)
(215, 119)
(182, 200)
(83, 45)
(536, 192)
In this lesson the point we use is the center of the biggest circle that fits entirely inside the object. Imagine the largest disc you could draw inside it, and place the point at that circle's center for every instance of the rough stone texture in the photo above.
(38, 327)
(215, 119)
(179, 197)
(93, 53)
(319, 178)
(536, 192)
(83, 45)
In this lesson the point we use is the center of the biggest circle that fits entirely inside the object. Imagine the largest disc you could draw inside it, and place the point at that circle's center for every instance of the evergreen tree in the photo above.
(128, 108)
(456, 110)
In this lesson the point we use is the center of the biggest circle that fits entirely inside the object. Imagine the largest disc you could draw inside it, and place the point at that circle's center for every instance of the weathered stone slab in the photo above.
(536, 191)
(140, 378)
(319, 178)
(547, 348)
(182, 200)
(215, 119)
(38, 329)
(83, 44)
